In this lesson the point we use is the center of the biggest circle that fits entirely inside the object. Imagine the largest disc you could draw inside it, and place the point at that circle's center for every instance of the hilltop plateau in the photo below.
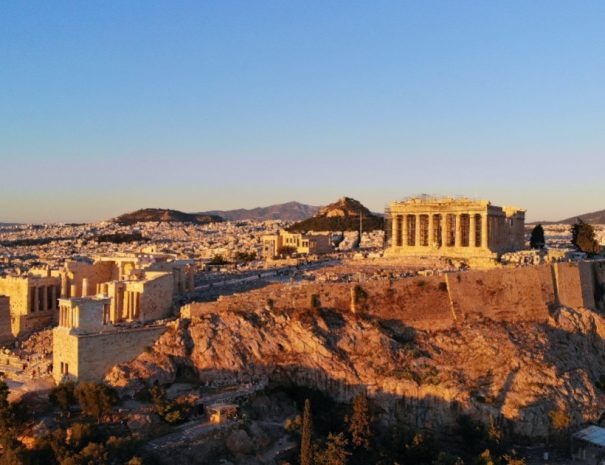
(147, 215)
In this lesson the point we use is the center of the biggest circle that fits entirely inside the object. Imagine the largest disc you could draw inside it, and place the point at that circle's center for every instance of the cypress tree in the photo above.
(359, 424)
(537, 241)
(583, 237)
(306, 452)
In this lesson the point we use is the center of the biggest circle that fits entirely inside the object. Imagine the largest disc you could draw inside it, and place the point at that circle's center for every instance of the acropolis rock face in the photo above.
(515, 373)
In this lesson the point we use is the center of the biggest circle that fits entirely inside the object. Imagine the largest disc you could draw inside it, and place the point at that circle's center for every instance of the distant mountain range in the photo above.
(597, 217)
(291, 211)
(147, 215)
(342, 215)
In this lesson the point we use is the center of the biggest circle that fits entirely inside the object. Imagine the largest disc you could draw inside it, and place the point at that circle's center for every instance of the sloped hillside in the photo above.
(516, 373)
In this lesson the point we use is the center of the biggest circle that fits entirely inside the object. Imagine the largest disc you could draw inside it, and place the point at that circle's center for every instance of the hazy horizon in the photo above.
(112, 107)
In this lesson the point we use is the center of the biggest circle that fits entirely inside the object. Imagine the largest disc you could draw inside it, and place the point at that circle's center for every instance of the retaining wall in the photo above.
(435, 302)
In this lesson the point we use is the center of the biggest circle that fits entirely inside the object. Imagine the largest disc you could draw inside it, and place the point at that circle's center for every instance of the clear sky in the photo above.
(106, 107)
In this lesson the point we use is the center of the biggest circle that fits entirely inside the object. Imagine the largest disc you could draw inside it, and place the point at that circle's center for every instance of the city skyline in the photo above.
(202, 106)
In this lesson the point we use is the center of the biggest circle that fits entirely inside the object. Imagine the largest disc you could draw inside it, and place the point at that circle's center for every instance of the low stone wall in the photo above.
(436, 302)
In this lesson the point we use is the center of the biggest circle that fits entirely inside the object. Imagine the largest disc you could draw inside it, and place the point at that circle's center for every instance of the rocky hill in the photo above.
(514, 373)
(290, 211)
(342, 215)
(592, 218)
(147, 215)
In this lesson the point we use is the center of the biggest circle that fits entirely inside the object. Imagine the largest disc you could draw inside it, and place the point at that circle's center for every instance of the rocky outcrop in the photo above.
(516, 373)
(342, 215)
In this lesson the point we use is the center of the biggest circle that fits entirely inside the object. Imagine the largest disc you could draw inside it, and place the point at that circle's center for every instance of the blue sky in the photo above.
(106, 107)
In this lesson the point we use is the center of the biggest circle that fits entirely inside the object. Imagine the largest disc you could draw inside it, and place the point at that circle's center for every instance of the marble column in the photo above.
(484, 231)
(444, 230)
(431, 241)
(394, 229)
(404, 234)
(417, 231)
(53, 296)
(472, 230)
(64, 286)
(44, 298)
(36, 299)
(458, 240)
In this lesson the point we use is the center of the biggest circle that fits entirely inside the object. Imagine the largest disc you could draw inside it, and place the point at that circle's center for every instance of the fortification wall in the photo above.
(503, 294)
(435, 302)
(575, 284)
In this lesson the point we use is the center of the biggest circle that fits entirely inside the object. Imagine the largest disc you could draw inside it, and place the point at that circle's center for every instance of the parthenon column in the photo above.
(472, 230)
(484, 231)
(404, 234)
(417, 231)
(443, 222)
(458, 240)
(431, 240)
(394, 230)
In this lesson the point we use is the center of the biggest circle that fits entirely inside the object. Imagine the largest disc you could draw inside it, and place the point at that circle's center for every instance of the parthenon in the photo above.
(453, 227)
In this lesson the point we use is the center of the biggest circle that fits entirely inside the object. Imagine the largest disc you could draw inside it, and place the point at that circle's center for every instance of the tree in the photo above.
(95, 399)
(335, 452)
(306, 452)
(559, 419)
(359, 423)
(245, 257)
(537, 241)
(11, 414)
(218, 260)
(583, 237)
(486, 458)
(172, 412)
(63, 397)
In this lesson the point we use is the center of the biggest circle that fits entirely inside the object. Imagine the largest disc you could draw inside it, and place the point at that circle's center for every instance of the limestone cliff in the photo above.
(515, 373)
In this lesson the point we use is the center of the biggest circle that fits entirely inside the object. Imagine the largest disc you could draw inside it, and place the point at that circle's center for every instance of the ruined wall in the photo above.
(5, 320)
(19, 291)
(428, 303)
(575, 284)
(156, 296)
(503, 294)
(96, 273)
(90, 356)
(421, 302)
